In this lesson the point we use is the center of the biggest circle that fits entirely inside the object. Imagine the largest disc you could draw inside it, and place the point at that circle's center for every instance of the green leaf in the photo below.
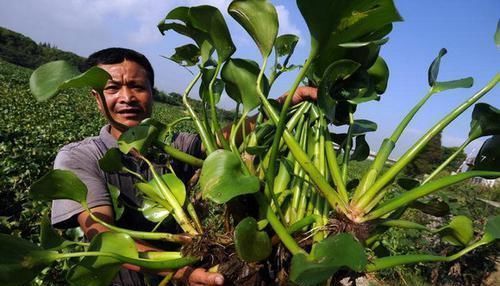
(47, 80)
(408, 183)
(492, 229)
(285, 44)
(251, 244)
(222, 178)
(21, 261)
(362, 126)
(452, 84)
(210, 20)
(59, 184)
(118, 208)
(111, 161)
(200, 37)
(433, 207)
(379, 73)
(101, 270)
(240, 77)
(139, 137)
(334, 22)
(497, 35)
(218, 87)
(459, 232)
(49, 238)
(336, 72)
(433, 71)
(485, 121)
(362, 150)
(488, 157)
(155, 208)
(326, 258)
(186, 55)
(259, 19)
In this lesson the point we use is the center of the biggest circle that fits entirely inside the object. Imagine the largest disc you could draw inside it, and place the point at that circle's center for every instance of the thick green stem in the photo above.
(215, 122)
(278, 227)
(422, 191)
(145, 263)
(206, 138)
(448, 161)
(177, 238)
(386, 149)
(347, 148)
(421, 143)
(179, 155)
(180, 215)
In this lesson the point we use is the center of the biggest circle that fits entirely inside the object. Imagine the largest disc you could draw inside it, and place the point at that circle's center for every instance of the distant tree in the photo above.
(20, 50)
(457, 162)
(428, 159)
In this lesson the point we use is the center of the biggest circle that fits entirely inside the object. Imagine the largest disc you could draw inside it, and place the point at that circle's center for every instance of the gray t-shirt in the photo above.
(82, 158)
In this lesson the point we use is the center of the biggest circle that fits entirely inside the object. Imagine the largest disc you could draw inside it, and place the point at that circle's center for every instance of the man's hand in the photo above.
(302, 93)
(198, 277)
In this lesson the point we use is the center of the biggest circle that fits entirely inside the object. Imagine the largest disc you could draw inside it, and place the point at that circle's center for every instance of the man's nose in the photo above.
(127, 94)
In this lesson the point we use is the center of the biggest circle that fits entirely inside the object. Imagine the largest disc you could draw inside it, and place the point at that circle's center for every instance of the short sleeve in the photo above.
(84, 164)
(187, 143)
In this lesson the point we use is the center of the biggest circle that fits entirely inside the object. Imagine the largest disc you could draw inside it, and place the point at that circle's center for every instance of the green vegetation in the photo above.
(23, 51)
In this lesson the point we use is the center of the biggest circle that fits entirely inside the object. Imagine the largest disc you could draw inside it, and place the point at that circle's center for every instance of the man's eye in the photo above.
(111, 88)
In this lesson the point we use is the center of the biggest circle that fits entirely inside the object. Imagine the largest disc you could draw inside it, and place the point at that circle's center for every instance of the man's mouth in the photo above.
(129, 112)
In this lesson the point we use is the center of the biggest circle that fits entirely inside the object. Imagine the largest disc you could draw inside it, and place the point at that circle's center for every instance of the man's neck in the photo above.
(115, 132)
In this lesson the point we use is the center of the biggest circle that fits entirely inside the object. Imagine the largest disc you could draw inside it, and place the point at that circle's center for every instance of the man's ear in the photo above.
(97, 98)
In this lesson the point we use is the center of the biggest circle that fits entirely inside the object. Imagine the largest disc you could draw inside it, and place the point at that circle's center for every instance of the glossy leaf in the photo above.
(433, 71)
(21, 261)
(118, 207)
(362, 126)
(459, 232)
(488, 157)
(200, 37)
(218, 87)
(210, 20)
(285, 44)
(434, 207)
(492, 229)
(152, 209)
(497, 35)
(50, 78)
(452, 84)
(138, 138)
(260, 19)
(379, 73)
(49, 238)
(251, 244)
(111, 161)
(408, 183)
(326, 258)
(362, 150)
(101, 270)
(336, 72)
(334, 22)
(222, 178)
(59, 184)
(186, 55)
(485, 121)
(240, 77)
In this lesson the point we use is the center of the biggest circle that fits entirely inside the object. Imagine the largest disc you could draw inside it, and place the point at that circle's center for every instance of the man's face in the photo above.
(128, 95)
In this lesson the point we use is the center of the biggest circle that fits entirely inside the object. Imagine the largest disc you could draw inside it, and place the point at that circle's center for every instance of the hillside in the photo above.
(20, 50)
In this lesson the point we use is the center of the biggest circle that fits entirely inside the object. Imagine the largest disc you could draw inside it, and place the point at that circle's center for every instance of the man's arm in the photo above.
(90, 227)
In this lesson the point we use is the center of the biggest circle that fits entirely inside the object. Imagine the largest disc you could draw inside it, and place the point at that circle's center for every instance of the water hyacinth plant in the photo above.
(311, 220)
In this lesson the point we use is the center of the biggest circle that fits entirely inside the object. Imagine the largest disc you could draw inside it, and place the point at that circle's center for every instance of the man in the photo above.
(125, 101)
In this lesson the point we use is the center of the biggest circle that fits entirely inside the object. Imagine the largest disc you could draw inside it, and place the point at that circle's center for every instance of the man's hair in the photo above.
(116, 56)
